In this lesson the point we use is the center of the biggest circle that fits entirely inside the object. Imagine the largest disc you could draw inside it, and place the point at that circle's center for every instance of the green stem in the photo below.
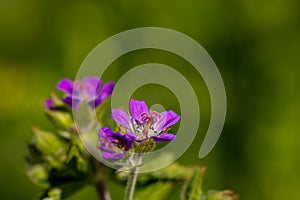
(131, 183)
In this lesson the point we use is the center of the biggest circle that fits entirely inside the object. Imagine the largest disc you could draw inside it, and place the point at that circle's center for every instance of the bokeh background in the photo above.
(255, 44)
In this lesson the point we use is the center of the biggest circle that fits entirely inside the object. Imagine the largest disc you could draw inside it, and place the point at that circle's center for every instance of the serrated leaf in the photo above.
(38, 175)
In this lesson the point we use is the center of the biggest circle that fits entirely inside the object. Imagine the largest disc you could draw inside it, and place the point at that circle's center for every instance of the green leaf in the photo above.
(52, 148)
(192, 188)
(157, 191)
(68, 180)
(61, 192)
(38, 175)
(75, 158)
(174, 172)
(66, 134)
(53, 194)
(60, 119)
(47, 142)
(221, 195)
(33, 155)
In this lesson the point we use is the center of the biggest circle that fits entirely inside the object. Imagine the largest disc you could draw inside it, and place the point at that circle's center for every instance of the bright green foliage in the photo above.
(50, 146)
(55, 160)
(165, 182)
(54, 163)
(58, 163)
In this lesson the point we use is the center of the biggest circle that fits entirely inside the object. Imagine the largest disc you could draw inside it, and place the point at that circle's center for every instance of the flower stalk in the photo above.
(135, 161)
(131, 183)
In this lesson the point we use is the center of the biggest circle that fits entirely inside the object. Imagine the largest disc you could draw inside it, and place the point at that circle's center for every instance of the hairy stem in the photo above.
(131, 183)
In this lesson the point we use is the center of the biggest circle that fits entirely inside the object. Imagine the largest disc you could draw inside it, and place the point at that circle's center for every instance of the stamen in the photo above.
(145, 117)
(148, 125)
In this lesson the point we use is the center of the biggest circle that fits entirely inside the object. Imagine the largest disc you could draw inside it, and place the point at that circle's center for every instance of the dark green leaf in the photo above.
(75, 158)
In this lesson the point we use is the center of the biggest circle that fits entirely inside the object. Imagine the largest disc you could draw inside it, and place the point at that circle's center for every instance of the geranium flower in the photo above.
(144, 124)
(90, 89)
(113, 144)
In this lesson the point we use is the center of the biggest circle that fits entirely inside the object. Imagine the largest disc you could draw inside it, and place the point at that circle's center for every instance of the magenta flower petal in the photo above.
(89, 90)
(105, 93)
(113, 144)
(164, 137)
(131, 136)
(142, 125)
(121, 117)
(125, 141)
(137, 108)
(49, 103)
(66, 86)
(105, 132)
(111, 155)
(92, 86)
(74, 103)
(168, 118)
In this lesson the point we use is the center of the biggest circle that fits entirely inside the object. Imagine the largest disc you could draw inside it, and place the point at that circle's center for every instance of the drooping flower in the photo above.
(90, 89)
(144, 124)
(113, 145)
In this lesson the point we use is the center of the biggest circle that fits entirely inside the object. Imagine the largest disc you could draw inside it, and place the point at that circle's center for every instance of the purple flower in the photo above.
(113, 144)
(49, 104)
(144, 124)
(90, 89)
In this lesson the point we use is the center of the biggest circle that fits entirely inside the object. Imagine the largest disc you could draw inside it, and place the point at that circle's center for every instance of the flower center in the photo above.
(144, 128)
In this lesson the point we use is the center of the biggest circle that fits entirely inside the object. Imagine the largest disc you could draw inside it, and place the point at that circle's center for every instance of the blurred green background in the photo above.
(255, 44)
